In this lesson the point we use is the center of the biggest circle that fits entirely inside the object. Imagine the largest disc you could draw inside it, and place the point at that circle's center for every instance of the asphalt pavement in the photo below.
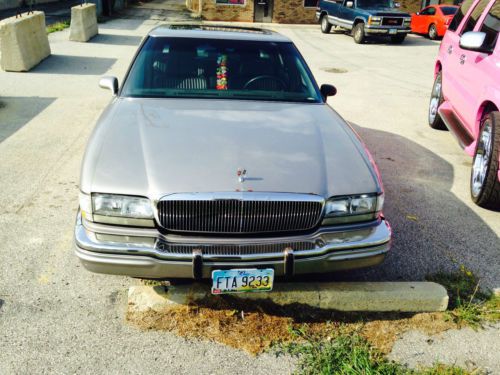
(55, 317)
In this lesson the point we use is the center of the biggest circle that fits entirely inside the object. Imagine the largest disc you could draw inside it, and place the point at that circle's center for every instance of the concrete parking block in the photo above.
(83, 23)
(343, 296)
(23, 42)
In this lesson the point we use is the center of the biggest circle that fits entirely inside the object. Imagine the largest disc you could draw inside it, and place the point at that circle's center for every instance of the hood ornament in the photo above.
(241, 173)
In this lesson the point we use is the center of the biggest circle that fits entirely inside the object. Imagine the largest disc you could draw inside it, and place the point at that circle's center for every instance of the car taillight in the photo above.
(447, 22)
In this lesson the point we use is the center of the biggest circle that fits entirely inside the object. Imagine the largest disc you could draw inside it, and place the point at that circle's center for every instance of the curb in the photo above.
(342, 296)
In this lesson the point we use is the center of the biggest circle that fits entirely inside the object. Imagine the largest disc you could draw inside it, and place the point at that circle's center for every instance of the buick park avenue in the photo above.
(218, 158)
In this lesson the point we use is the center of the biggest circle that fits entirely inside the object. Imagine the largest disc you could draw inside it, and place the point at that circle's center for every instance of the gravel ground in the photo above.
(57, 318)
(416, 349)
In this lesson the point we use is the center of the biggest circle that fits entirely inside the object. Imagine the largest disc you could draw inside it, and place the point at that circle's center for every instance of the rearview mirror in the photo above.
(349, 4)
(110, 83)
(474, 41)
(327, 90)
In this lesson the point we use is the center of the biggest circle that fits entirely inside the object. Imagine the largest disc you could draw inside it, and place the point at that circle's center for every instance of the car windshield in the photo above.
(449, 11)
(373, 4)
(221, 69)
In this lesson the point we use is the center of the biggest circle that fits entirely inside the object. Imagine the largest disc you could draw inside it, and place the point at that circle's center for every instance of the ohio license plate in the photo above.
(242, 280)
(393, 31)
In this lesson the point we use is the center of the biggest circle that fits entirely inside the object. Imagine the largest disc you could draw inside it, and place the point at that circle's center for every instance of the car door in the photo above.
(450, 51)
(478, 68)
(468, 69)
(347, 14)
(423, 19)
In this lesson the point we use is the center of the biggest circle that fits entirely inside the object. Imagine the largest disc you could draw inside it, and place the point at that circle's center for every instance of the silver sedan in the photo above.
(218, 156)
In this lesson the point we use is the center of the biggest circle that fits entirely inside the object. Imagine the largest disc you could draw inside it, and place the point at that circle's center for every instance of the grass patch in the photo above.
(468, 304)
(58, 26)
(352, 355)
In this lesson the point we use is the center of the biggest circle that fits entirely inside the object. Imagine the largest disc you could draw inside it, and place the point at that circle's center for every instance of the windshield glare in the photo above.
(221, 69)
(373, 4)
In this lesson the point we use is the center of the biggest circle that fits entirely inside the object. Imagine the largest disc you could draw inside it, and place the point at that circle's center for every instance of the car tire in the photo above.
(398, 39)
(325, 25)
(433, 32)
(435, 121)
(358, 33)
(484, 184)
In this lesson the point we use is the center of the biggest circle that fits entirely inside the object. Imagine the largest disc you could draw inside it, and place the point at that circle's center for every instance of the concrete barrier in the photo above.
(83, 22)
(23, 42)
(341, 296)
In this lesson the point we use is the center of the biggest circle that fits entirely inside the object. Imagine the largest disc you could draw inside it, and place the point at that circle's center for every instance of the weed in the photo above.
(468, 304)
(58, 26)
(352, 355)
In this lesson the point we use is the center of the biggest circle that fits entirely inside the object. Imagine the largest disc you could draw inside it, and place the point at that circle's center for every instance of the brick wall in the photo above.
(293, 11)
(222, 12)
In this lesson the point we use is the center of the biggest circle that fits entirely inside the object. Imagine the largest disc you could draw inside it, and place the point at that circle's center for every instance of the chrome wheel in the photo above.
(435, 100)
(432, 32)
(481, 160)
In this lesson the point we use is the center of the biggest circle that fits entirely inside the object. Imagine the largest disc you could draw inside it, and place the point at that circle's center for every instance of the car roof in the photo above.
(217, 32)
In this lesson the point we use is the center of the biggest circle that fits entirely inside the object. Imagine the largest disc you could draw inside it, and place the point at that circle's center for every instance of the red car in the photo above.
(433, 20)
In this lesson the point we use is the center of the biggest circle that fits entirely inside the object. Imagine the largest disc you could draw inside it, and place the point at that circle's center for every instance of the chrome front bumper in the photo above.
(141, 252)
(384, 30)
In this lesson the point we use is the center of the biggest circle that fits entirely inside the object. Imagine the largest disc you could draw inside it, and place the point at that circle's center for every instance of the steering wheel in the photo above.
(272, 78)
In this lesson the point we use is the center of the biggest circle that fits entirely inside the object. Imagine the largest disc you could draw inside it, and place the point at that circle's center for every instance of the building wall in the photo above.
(293, 11)
(223, 12)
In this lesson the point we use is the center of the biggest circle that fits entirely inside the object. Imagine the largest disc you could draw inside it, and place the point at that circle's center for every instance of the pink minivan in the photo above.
(466, 93)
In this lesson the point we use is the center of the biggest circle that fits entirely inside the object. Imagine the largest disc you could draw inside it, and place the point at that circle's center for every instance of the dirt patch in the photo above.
(335, 70)
(254, 327)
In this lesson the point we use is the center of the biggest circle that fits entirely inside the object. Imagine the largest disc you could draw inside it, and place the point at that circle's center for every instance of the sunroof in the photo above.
(221, 28)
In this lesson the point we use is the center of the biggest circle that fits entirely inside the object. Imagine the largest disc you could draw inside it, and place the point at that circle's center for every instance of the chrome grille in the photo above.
(233, 250)
(241, 215)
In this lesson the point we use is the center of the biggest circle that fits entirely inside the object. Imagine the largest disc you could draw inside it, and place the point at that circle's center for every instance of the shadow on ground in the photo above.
(78, 65)
(433, 230)
(15, 112)
(115, 39)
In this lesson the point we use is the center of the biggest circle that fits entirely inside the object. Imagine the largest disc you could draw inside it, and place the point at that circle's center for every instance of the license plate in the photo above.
(393, 31)
(243, 280)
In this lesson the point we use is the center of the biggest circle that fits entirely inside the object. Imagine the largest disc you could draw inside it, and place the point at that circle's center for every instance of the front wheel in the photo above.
(325, 25)
(484, 184)
(358, 33)
(435, 121)
(398, 39)
(433, 32)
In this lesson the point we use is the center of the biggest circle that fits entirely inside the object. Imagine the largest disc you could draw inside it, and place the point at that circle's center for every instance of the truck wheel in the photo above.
(358, 33)
(325, 25)
(484, 184)
(398, 39)
(433, 32)
(437, 99)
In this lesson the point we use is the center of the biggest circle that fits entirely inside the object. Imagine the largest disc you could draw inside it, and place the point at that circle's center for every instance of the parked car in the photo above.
(219, 157)
(433, 21)
(364, 18)
(465, 97)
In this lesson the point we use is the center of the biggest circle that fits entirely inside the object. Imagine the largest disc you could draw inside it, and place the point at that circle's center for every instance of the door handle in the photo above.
(450, 50)
(462, 59)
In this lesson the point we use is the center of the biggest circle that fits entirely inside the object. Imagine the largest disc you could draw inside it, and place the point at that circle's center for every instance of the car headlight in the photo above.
(349, 209)
(117, 209)
(374, 20)
(407, 20)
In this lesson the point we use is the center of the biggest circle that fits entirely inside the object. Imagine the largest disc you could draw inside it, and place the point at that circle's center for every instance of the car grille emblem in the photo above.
(241, 173)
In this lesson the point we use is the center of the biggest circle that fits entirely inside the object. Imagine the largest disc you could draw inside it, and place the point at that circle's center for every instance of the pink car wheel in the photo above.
(484, 184)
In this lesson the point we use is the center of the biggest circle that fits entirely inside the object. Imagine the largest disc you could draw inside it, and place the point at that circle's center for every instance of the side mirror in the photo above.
(110, 83)
(327, 90)
(474, 41)
(349, 4)
(397, 5)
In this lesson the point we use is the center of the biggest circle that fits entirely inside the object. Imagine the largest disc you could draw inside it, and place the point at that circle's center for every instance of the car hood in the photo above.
(386, 12)
(154, 147)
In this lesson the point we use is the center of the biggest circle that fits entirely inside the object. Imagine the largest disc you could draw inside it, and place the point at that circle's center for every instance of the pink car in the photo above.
(466, 93)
